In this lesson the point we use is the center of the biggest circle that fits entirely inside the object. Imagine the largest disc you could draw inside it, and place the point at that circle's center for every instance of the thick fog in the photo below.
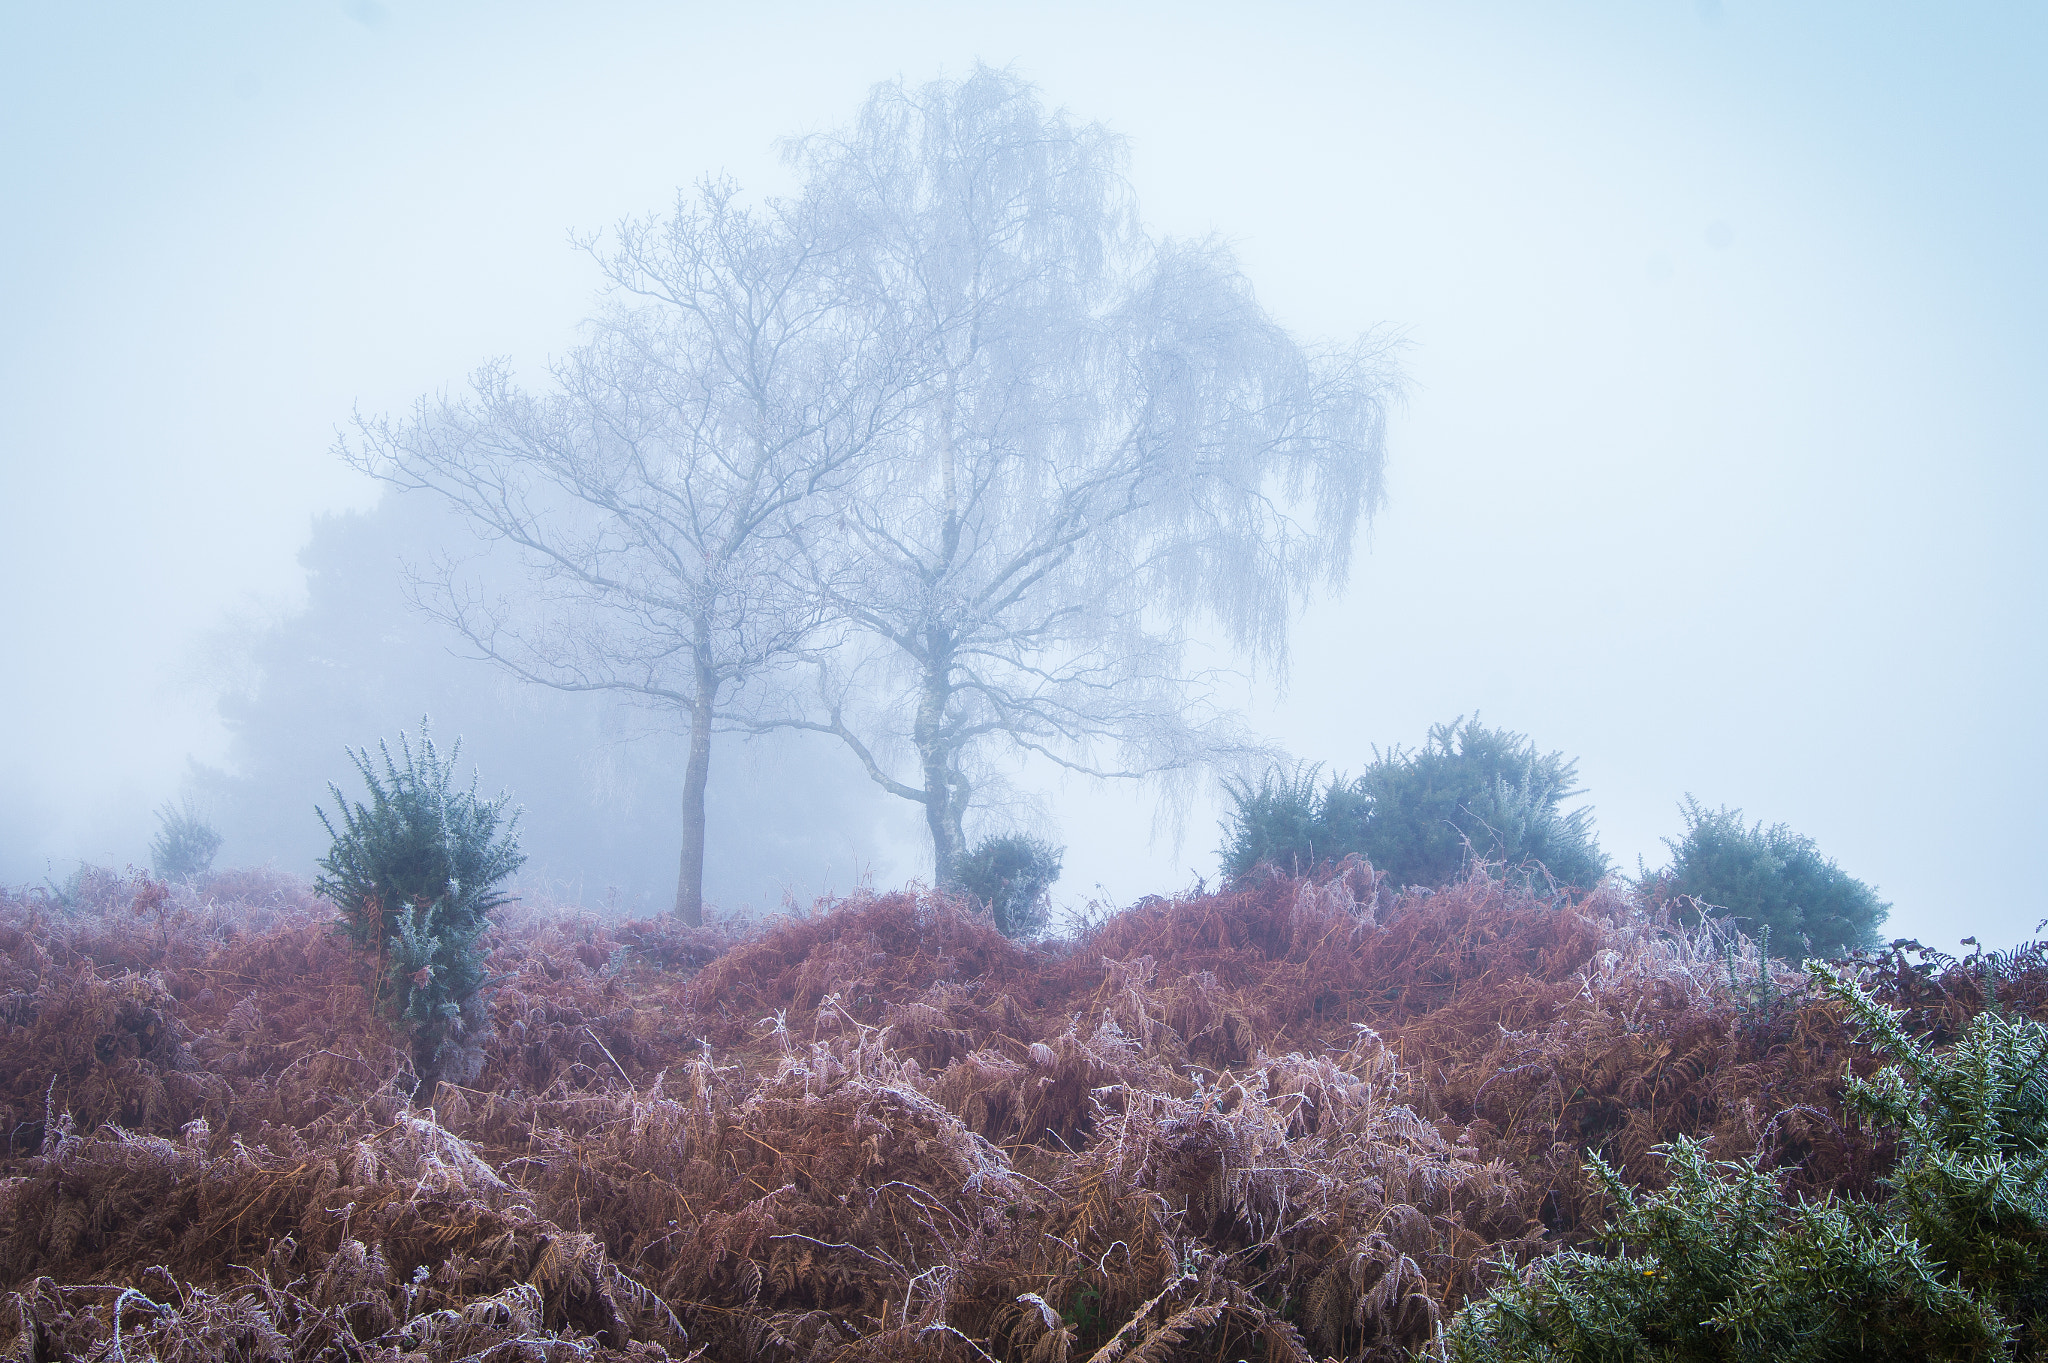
(1721, 465)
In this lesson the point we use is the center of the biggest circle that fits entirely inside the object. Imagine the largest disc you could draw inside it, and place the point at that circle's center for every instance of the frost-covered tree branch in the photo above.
(1109, 444)
(661, 491)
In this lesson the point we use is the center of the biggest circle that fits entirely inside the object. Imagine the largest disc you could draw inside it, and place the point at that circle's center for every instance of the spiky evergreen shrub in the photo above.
(1418, 815)
(185, 843)
(1719, 1265)
(1770, 879)
(1288, 822)
(1972, 1180)
(1013, 876)
(415, 871)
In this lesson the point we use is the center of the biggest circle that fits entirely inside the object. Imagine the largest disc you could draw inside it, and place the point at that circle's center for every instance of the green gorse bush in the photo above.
(1720, 1266)
(1421, 815)
(415, 870)
(185, 843)
(1769, 879)
(1972, 1179)
(1013, 876)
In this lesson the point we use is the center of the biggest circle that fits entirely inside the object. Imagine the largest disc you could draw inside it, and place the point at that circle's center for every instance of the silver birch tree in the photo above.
(658, 492)
(1111, 444)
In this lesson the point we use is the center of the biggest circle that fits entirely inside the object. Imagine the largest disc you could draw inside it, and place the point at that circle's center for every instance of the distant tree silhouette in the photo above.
(600, 781)
(655, 494)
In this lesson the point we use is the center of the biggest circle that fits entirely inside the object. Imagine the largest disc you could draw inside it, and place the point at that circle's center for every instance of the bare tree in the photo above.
(1111, 444)
(659, 492)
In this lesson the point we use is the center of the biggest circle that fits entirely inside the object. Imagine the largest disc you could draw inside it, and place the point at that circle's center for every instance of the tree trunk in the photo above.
(690, 879)
(946, 790)
(944, 810)
(949, 811)
(944, 793)
(945, 860)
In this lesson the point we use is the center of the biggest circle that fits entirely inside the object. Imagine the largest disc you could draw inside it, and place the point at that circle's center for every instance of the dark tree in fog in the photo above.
(1111, 442)
(659, 490)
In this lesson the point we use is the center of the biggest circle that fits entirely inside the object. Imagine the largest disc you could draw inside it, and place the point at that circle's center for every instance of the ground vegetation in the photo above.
(1013, 875)
(1301, 1118)
(1769, 880)
(186, 842)
(1423, 815)
(416, 870)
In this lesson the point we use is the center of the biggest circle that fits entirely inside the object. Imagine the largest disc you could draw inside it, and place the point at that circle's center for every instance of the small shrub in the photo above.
(1419, 816)
(1013, 875)
(1720, 1265)
(89, 887)
(415, 873)
(185, 844)
(1770, 879)
(1286, 822)
(1972, 1178)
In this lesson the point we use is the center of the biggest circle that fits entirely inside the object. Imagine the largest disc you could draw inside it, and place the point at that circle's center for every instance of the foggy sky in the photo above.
(1722, 468)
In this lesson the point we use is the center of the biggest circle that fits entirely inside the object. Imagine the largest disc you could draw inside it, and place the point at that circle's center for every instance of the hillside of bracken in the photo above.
(1301, 1118)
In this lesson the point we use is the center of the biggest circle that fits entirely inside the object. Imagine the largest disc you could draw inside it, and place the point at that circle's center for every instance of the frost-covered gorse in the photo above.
(416, 870)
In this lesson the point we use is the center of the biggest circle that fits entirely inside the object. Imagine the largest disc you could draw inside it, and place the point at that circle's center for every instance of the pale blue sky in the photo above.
(1723, 467)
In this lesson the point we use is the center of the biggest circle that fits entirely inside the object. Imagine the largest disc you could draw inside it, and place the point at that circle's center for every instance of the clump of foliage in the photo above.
(1769, 879)
(1288, 821)
(185, 844)
(1972, 1182)
(1419, 816)
(89, 887)
(1718, 1265)
(1013, 875)
(415, 872)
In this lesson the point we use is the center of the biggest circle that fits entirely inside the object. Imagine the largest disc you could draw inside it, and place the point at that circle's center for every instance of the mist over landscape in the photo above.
(1715, 470)
(1023, 683)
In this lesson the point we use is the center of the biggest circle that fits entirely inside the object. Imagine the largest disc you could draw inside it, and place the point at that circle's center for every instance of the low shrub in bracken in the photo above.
(1722, 1265)
(1300, 1119)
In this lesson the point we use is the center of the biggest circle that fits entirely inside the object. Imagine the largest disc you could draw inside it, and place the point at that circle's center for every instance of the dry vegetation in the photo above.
(1296, 1120)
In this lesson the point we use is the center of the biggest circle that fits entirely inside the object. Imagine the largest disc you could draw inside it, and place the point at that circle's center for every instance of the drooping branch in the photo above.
(1112, 446)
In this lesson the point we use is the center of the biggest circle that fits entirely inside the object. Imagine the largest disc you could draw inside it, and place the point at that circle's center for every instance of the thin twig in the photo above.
(614, 1059)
